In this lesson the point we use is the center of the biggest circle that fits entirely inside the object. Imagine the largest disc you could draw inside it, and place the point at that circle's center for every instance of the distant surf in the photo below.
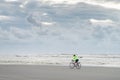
(62, 60)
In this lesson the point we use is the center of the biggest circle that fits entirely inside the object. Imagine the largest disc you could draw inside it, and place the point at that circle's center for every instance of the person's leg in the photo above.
(77, 60)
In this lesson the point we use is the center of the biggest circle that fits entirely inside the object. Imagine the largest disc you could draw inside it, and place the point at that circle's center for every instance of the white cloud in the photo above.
(24, 4)
(11, 0)
(62, 1)
(2, 17)
(106, 4)
(47, 23)
(45, 14)
(102, 23)
(103, 3)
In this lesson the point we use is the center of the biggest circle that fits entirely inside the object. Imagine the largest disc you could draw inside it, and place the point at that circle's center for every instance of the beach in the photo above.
(47, 72)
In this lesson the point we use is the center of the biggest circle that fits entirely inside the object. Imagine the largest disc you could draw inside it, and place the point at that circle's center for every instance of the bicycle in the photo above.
(73, 65)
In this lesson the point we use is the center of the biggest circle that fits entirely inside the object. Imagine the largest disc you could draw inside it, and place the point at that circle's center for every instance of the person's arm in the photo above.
(73, 58)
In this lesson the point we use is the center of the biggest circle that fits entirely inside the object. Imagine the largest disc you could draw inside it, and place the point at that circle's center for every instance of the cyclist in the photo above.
(75, 58)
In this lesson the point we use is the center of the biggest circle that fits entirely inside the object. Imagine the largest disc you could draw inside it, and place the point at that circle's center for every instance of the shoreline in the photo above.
(55, 65)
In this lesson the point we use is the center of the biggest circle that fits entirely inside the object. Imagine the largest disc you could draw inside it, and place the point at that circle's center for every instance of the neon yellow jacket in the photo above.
(75, 58)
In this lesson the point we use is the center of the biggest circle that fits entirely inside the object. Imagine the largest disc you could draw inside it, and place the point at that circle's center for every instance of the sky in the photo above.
(59, 26)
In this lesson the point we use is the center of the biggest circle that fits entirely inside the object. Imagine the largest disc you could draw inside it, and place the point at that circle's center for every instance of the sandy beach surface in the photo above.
(44, 72)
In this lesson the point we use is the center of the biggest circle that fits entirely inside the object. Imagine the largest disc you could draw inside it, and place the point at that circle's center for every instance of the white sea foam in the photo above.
(63, 60)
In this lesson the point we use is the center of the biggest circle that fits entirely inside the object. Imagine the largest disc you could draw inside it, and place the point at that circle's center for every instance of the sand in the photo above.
(44, 72)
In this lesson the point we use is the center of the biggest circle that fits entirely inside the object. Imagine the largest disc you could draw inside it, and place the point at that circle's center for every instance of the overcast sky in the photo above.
(60, 26)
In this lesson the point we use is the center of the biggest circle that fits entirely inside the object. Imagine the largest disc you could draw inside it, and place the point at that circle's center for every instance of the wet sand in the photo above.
(40, 72)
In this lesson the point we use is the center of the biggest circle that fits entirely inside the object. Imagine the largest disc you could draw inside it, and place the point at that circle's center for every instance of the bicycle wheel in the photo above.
(78, 66)
(71, 65)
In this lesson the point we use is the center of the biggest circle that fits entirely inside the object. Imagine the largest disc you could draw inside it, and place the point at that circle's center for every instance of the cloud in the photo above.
(62, 1)
(83, 24)
(47, 23)
(23, 4)
(40, 19)
(3, 18)
(16, 34)
(107, 4)
(102, 23)
(21, 34)
(104, 3)
(11, 0)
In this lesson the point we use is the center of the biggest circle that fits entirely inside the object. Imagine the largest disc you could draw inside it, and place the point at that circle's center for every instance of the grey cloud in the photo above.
(65, 16)
(117, 1)
(31, 20)
(61, 14)
(21, 33)
(14, 33)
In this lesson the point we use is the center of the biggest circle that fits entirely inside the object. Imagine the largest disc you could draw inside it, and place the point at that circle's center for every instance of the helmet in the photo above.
(74, 55)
